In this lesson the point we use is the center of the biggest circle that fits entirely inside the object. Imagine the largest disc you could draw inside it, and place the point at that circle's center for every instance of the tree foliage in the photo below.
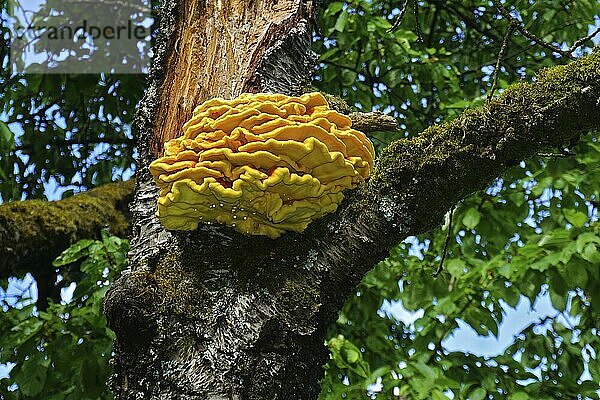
(68, 131)
(532, 233)
(63, 352)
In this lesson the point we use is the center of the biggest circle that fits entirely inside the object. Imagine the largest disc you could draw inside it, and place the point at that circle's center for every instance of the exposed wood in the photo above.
(217, 49)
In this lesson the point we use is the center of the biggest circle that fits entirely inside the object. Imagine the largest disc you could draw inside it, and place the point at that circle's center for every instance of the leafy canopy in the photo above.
(533, 233)
(62, 353)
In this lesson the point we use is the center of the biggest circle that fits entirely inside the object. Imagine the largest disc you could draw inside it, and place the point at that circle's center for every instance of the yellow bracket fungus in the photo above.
(261, 163)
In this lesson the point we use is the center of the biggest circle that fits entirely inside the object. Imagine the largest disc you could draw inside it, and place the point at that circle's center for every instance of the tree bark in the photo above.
(214, 314)
(191, 321)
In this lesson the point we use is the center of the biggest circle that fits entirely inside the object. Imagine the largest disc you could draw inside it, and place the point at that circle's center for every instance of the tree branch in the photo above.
(213, 304)
(501, 55)
(417, 180)
(549, 46)
(375, 121)
(80, 142)
(34, 232)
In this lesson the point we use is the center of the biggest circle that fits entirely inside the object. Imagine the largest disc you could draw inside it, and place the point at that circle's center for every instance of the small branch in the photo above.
(501, 54)
(581, 41)
(520, 51)
(375, 121)
(398, 20)
(446, 243)
(82, 142)
(565, 53)
(417, 22)
(563, 154)
(434, 20)
(468, 19)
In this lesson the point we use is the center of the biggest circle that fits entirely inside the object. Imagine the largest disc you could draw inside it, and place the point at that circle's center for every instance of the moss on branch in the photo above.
(34, 232)
(447, 162)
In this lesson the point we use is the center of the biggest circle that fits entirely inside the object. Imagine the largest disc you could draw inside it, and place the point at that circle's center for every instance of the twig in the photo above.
(581, 41)
(398, 20)
(417, 22)
(521, 50)
(82, 142)
(436, 14)
(563, 154)
(375, 121)
(501, 54)
(467, 18)
(506, 14)
(445, 251)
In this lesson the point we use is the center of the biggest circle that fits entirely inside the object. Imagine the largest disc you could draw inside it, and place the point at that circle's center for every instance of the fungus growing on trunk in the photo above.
(261, 163)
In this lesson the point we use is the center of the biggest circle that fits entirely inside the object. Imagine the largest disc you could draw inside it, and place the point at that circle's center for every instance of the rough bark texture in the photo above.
(214, 314)
(34, 232)
(224, 48)
(187, 326)
(375, 121)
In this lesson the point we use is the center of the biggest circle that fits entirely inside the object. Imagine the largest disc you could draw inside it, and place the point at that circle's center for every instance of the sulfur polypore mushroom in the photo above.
(261, 163)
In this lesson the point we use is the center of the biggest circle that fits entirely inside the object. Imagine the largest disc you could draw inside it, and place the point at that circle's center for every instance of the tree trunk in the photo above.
(214, 314)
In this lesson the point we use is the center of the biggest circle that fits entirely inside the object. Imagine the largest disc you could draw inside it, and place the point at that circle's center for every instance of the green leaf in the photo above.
(334, 7)
(559, 300)
(340, 24)
(590, 253)
(471, 218)
(555, 237)
(32, 376)
(576, 218)
(519, 396)
(456, 267)
(518, 198)
(557, 282)
(546, 262)
(508, 293)
(73, 253)
(584, 239)
(352, 356)
(575, 273)
(378, 373)
(594, 368)
(6, 137)
(478, 394)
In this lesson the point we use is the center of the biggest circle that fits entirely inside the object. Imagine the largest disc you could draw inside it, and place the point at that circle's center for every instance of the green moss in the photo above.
(337, 103)
(34, 232)
(465, 154)
(180, 288)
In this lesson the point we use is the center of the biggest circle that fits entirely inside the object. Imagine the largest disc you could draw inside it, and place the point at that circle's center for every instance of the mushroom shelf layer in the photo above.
(261, 163)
